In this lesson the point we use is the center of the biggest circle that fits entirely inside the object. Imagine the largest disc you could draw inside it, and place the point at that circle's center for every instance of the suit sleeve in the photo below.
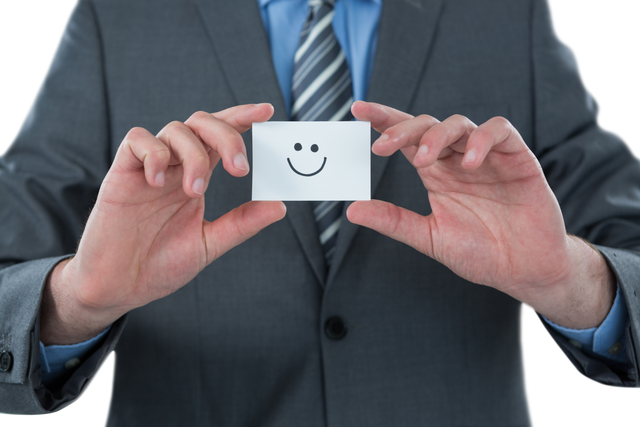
(596, 180)
(49, 179)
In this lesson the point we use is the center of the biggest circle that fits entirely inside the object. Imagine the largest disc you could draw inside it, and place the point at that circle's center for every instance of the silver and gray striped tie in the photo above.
(322, 90)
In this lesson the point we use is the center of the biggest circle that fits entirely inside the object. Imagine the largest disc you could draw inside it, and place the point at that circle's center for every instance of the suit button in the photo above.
(335, 328)
(72, 363)
(6, 361)
(615, 348)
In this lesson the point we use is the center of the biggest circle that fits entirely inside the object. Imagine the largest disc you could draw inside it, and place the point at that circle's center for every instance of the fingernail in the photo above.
(198, 186)
(423, 150)
(240, 162)
(469, 157)
(261, 104)
(159, 179)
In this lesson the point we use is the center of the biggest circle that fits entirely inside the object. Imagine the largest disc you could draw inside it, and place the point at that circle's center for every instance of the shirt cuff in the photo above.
(56, 360)
(608, 339)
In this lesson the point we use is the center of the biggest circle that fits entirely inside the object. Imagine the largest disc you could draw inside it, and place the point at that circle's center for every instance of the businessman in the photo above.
(421, 329)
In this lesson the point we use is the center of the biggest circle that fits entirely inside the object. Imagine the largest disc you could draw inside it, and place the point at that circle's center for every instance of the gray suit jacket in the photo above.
(244, 343)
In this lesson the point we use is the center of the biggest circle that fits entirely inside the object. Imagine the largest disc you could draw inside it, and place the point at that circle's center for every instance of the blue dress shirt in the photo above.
(356, 27)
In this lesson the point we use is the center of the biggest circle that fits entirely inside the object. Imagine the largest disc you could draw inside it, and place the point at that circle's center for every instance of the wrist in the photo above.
(64, 318)
(585, 296)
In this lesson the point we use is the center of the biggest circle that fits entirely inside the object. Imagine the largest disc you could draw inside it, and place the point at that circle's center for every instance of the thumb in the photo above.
(238, 225)
(390, 220)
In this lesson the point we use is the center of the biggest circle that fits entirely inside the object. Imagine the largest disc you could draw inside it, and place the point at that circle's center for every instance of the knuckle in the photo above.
(483, 132)
(481, 135)
(231, 139)
(462, 122)
(470, 126)
(200, 161)
(198, 116)
(175, 126)
(459, 118)
(170, 129)
(136, 134)
(393, 219)
(500, 121)
(455, 124)
(429, 120)
(161, 154)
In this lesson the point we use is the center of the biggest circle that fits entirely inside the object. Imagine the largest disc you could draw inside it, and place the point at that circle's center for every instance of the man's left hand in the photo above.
(494, 221)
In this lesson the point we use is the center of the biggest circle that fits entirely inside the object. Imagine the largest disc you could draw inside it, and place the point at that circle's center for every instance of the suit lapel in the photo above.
(241, 44)
(242, 47)
(406, 34)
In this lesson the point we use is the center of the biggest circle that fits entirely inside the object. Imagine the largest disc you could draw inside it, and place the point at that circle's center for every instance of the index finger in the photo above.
(380, 116)
(220, 132)
(241, 117)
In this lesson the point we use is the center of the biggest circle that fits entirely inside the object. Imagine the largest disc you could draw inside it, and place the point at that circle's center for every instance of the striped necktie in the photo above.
(322, 91)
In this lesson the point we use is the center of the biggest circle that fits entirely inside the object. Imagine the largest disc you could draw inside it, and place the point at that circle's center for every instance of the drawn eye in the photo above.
(314, 148)
(297, 147)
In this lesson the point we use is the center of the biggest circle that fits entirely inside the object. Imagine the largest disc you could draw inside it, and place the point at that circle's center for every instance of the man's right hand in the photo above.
(146, 237)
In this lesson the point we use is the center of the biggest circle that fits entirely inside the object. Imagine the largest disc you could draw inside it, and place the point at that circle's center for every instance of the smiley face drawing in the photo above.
(314, 149)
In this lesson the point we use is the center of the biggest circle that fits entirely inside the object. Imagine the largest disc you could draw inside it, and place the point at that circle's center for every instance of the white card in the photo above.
(311, 161)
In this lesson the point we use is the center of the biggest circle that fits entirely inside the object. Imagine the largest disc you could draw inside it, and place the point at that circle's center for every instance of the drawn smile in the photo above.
(307, 174)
